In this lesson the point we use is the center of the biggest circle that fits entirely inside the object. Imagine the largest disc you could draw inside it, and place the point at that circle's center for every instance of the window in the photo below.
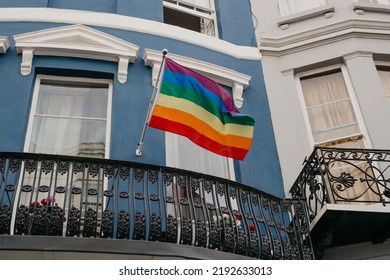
(287, 7)
(333, 122)
(196, 15)
(184, 154)
(329, 107)
(386, 2)
(384, 75)
(70, 116)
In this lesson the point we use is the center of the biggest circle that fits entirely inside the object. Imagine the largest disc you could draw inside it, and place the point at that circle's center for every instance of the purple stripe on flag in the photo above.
(207, 83)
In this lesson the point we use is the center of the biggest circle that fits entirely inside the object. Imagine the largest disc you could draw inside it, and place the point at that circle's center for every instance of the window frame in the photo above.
(383, 64)
(372, 3)
(205, 13)
(352, 96)
(34, 101)
(289, 13)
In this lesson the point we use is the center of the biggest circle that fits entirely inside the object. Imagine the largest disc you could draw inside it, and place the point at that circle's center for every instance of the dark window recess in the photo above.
(182, 19)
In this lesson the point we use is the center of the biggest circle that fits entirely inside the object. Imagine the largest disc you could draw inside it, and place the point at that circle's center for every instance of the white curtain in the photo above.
(329, 107)
(333, 121)
(70, 120)
(287, 7)
(184, 154)
(384, 75)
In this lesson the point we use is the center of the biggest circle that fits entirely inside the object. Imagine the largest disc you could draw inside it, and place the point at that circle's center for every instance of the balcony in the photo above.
(347, 194)
(72, 207)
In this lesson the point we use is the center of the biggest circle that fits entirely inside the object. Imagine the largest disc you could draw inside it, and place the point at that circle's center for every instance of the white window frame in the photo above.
(34, 101)
(355, 105)
(375, 2)
(288, 13)
(196, 10)
(387, 65)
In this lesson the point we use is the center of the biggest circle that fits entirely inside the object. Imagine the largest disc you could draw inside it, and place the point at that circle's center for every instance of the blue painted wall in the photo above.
(235, 22)
(260, 169)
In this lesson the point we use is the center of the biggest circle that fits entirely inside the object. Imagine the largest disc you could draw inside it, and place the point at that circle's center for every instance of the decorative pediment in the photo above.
(4, 44)
(75, 41)
(237, 81)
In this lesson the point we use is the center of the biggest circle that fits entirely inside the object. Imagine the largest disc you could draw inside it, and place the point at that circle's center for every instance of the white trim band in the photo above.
(127, 23)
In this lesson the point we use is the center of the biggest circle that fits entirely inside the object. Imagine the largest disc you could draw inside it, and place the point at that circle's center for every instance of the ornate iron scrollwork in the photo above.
(228, 239)
(21, 220)
(201, 236)
(73, 222)
(171, 229)
(123, 225)
(186, 231)
(155, 227)
(107, 227)
(215, 239)
(56, 219)
(253, 245)
(139, 226)
(90, 222)
(241, 241)
(5, 219)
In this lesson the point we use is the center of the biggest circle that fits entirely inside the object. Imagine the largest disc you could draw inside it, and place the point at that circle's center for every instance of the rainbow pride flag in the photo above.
(196, 107)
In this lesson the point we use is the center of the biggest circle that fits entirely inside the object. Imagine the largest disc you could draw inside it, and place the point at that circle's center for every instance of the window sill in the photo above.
(327, 10)
(360, 8)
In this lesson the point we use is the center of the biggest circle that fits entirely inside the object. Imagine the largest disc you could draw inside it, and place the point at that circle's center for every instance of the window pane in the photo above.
(184, 154)
(287, 7)
(196, 15)
(70, 118)
(329, 107)
(66, 136)
(375, 1)
(77, 100)
(384, 75)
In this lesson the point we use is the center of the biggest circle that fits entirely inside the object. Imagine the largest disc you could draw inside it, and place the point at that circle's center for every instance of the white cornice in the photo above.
(237, 81)
(4, 44)
(127, 23)
(75, 41)
(354, 28)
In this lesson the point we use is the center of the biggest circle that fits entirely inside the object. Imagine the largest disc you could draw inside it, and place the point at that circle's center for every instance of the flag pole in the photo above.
(138, 151)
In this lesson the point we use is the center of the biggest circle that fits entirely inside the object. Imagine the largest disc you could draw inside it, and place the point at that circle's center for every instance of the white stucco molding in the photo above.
(75, 41)
(340, 31)
(4, 44)
(237, 81)
(128, 23)
(358, 54)
(360, 8)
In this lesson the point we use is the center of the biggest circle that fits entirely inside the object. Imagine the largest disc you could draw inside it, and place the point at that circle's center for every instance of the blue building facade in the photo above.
(77, 79)
(141, 24)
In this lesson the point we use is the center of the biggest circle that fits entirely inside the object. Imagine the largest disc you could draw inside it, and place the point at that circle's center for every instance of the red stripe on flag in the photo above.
(197, 138)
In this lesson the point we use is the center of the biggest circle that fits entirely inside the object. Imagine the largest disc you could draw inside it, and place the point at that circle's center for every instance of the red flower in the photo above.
(47, 200)
(252, 227)
(237, 217)
(35, 204)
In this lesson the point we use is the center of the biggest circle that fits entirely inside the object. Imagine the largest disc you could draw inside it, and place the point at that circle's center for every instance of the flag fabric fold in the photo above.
(198, 108)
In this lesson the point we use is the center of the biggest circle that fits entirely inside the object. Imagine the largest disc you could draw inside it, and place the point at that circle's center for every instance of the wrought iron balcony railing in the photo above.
(85, 197)
(343, 176)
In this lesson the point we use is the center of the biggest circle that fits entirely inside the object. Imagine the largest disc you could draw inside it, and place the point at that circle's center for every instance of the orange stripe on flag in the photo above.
(201, 127)
(197, 138)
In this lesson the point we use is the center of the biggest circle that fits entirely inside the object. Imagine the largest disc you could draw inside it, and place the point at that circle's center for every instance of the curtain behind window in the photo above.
(384, 75)
(333, 123)
(329, 107)
(70, 119)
